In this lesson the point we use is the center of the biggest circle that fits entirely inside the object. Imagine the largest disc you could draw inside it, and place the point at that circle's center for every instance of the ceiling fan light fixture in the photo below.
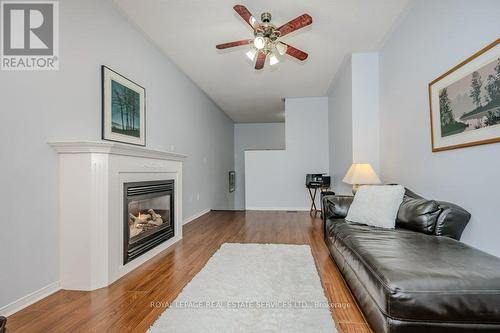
(251, 54)
(259, 42)
(266, 38)
(273, 59)
(281, 48)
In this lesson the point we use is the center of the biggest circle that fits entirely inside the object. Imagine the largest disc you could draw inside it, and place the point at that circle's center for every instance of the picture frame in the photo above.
(465, 102)
(123, 109)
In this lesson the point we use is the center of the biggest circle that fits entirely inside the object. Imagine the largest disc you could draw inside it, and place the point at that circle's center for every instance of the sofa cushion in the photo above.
(452, 219)
(413, 276)
(418, 215)
(376, 205)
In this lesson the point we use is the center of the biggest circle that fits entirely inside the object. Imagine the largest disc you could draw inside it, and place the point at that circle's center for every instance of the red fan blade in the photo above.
(261, 60)
(295, 24)
(296, 53)
(246, 15)
(233, 44)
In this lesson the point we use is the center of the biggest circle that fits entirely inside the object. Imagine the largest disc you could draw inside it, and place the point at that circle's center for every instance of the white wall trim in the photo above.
(103, 147)
(29, 299)
(301, 209)
(48, 290)
(195, 216)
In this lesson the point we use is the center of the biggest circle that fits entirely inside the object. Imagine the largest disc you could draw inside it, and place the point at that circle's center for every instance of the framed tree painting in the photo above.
(465, 102)
(123, 109)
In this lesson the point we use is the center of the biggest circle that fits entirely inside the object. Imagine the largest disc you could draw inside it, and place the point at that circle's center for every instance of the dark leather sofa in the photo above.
(417, 277)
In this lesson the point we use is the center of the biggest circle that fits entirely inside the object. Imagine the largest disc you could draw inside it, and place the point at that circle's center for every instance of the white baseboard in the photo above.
(195, 216)
(300, 209)
(48, 290)
(29, 299)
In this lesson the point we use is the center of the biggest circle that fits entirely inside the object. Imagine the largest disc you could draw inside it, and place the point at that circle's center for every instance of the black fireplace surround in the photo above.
(148, 216)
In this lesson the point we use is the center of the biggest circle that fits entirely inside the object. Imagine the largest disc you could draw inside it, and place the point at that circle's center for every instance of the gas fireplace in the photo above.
(148, 216)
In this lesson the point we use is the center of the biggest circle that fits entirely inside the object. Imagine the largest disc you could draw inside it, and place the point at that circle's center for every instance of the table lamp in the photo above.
(361, 174)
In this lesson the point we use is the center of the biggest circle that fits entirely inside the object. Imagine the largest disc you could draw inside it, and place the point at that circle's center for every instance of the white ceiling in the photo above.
(188, 30)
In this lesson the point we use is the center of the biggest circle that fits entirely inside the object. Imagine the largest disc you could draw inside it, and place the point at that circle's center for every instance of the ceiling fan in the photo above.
(266, 38)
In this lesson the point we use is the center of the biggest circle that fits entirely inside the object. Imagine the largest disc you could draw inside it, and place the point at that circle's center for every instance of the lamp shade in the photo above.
(361, 174)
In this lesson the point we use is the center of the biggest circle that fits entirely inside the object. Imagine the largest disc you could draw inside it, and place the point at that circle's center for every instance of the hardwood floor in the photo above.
(126, 305)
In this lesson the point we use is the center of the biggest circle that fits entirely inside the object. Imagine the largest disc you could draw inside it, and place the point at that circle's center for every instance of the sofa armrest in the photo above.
(452, 220)
(336, 206)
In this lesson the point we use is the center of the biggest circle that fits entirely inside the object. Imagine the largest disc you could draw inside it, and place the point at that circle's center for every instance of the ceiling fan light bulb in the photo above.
(259, 42)
(251, 54)
(281, 48)
(273, 60)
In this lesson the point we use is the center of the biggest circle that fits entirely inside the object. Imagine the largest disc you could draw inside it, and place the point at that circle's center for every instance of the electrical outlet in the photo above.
(198, 197)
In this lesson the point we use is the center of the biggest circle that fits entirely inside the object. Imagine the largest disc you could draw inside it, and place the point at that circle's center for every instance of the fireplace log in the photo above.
(144, 218)
(134, 232)
(156, 218)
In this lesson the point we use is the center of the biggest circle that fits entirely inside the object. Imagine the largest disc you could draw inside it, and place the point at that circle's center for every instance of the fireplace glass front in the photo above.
(148, 216)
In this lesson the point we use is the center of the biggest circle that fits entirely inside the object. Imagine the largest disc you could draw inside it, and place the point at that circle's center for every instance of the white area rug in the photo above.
(252, 288)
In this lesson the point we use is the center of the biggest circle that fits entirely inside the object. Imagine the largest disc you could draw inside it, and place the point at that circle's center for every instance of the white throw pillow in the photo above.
(376, 205)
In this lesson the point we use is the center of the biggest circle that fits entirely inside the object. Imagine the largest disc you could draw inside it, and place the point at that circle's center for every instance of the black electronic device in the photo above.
(317, 180)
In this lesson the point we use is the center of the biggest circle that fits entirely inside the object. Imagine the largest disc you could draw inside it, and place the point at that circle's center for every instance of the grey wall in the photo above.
(249, 137)
(340, 127)
(353, 115)
(365, 109)
(37, 107)
(433, 37)
(274, 179)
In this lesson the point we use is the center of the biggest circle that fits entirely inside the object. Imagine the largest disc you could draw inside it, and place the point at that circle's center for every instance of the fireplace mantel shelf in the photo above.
(113, 148)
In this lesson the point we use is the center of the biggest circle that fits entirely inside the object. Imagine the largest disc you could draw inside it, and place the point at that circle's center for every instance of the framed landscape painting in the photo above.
(123, 109)
(465, 102)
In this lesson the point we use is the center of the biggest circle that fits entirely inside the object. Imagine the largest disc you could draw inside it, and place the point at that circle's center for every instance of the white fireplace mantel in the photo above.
(91, 176)
(103, 147)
